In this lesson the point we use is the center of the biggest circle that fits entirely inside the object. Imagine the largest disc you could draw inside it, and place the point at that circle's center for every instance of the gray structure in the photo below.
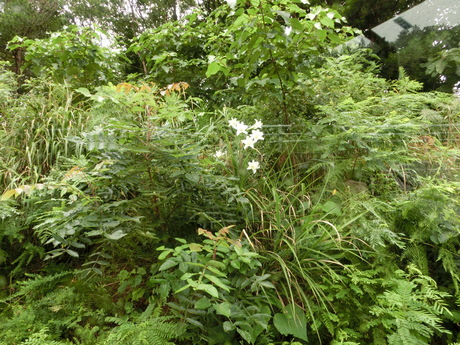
(429, 13)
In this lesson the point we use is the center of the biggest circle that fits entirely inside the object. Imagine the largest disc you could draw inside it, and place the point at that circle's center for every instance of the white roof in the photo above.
(428, 13)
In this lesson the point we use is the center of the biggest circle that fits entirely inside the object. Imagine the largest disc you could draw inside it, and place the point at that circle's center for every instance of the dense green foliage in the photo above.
(248, 185)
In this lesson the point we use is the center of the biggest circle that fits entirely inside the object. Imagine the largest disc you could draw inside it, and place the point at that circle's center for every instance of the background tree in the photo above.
(420, 52)
(27, 18)
(365, 15)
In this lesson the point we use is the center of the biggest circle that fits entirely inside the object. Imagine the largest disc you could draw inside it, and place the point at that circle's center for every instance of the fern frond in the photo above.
(38, 283)
(155, 331)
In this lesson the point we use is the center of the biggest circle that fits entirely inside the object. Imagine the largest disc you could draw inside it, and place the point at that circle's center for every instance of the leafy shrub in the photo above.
(74, 56)
(216, 288)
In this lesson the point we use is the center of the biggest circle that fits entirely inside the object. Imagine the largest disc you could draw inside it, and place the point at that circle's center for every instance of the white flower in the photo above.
(241, 128)
(257, 135)
(258, 124)
(233, 123)
(232, 4)
(254, 166)
(248, 142)
(219, 154)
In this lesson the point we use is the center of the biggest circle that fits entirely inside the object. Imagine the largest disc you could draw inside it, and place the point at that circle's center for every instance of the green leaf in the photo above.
(84, 91)
(218, 282)
(245, 335)
(194, 322)
(93, 233)
(213, 68)
(209, 289)
(202, 303)
(215, 271)
(326, 21)
(115, 235)
(59, 238)
(331, 207)
(72, 253)
(164, 254)
(182, 288)
(296, 24)
(171, 262)
(240, 21)
(77, 245)
(228, 326)
(441, 65)
(284, 15)
(223, 309)
(293, 322)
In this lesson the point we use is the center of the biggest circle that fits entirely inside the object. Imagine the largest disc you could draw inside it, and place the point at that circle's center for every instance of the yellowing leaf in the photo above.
(236, 243)
(55, 308)
(195, 247)
(8, 194)
(225, 231)
(206, 233)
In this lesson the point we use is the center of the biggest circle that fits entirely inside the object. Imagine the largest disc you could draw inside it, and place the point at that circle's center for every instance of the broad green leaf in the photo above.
(326, 21)
(209, 289)
(164, 254)
(228, 326)
(171, 262)
(216, 264)
(84, 91)
(293, 322)
(202, 303)
(441, 65)
(116, 235)
(182, 288)
(194, 322)
(97, 270)
(331, 207)
(187, 276)
(296, 24)
(267, 284)
(223, 309)
(213, 68)
(58, 238)
(217, 282)
(245, 335)
(284, 15)
(215, 271)
(262, 319)
(93, 233)
(72, 253)
(111, 224)
(240, 21)
(77, 245)
(164, 290)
